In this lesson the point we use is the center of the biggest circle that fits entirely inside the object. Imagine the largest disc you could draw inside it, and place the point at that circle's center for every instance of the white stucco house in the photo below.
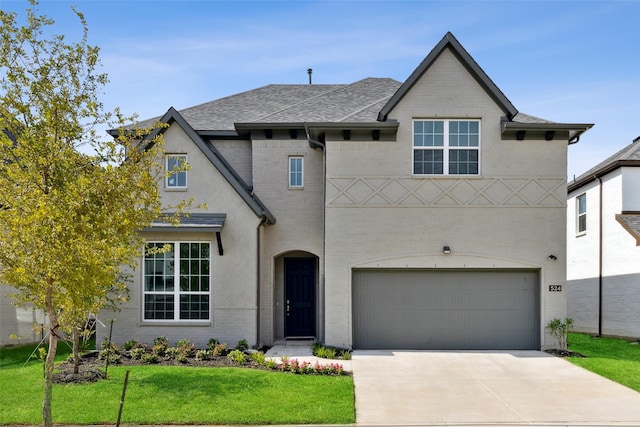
(603, 257)
(424, 214)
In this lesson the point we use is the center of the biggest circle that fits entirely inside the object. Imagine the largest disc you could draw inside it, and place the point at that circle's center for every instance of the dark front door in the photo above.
(300, 297)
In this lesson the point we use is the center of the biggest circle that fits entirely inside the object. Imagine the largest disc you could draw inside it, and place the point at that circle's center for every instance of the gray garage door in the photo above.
(446, 309)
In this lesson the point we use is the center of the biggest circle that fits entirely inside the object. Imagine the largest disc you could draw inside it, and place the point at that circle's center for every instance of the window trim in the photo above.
(170, 173)
(176, 288)
(301, 173)
(580, 215)
(445, 147)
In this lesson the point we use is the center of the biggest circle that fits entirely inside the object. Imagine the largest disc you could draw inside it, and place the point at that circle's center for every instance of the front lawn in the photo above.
(176, 395)
(616, 359)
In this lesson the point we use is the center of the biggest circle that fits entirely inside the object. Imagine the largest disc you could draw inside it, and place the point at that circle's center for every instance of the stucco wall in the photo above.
(378, 215)
(233, 275)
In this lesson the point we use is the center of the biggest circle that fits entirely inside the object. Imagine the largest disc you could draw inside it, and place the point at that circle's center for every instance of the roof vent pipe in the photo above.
(309, 71)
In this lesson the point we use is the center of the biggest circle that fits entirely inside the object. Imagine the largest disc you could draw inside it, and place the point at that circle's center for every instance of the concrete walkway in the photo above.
(485, 388)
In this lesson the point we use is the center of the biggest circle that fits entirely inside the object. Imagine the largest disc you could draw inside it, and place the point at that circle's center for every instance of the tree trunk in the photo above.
(76, 356)
(51, 355)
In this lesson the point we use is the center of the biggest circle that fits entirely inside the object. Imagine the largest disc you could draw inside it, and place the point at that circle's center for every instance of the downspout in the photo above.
(324, 244)
(600, 261)
(258, 274)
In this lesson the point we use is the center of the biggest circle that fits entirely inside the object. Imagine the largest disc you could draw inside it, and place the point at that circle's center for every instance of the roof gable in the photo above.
(172, 116)
(451, 43)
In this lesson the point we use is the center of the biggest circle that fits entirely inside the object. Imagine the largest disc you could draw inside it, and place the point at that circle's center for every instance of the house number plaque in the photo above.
(555, 288)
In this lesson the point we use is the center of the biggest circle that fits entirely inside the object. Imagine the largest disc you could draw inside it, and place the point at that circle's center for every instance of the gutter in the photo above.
(600, 257)
(258, 274)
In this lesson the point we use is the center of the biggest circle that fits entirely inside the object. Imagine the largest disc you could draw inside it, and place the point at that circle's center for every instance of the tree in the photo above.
(69, 220)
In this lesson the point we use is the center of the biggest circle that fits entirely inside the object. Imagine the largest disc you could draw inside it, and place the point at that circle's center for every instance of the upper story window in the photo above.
(446, 147)
(176, 171)
(581, 214)
(177, 282)
(296, 172)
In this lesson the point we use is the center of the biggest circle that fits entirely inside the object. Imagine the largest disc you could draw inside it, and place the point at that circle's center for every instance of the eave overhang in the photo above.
(600, 173)
(569, 131)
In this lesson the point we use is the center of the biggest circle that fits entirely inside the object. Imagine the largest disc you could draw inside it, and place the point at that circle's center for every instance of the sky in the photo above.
(565, 61)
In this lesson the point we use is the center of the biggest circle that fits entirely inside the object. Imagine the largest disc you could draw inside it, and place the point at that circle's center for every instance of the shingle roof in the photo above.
(355, 102)
(628, 156)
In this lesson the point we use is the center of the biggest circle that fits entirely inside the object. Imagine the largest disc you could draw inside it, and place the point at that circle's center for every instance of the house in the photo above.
(428, 214)
(18, 324)
(603, 257)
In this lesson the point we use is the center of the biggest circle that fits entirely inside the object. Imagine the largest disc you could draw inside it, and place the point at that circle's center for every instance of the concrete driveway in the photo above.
(485, 388)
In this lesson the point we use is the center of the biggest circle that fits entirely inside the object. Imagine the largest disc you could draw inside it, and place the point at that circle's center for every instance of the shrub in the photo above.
(187, 348)
(560, 330)
(259, 357)
(138, 353)
(150, 358)
(243, 345)
(110, 352)
(160, 345)
(129, 345)
(212, 343)
(203, 354)
(327, 352)
(182, 358)
(171, 352)
(237, 356)
(219, 350)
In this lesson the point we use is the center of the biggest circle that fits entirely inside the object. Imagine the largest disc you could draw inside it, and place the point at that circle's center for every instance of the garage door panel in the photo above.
(446, 309)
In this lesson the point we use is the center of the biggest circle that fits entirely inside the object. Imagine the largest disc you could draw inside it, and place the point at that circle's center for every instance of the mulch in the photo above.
(91, 369)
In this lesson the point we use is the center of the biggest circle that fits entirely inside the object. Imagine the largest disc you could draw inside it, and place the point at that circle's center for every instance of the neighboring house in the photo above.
(421, 215)
(603, 257)
(18, 324)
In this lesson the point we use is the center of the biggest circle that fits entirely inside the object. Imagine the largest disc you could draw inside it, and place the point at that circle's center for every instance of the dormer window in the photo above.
(446, 147)
(176, 171)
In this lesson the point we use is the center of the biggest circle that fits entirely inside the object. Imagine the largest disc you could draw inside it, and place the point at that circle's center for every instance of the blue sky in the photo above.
(566, 61)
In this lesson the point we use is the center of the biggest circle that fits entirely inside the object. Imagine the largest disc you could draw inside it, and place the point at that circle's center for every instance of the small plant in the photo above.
(212, 343)
(560, 330)
(327, 352)
(182, 358)
(138, 353)
(109, 351)
(187, 348)
(171, 352)
(219, 349)
(237, 356)
(160, 345)
(150, 358)
(271, 364)
(127, 346)
(259, 357)
(243, 345)
(203, 354)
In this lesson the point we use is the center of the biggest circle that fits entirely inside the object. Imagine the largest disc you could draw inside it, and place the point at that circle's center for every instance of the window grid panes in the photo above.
(191, 299)
(295, 172)
(581, 207)
(460, 142)
(176, 178)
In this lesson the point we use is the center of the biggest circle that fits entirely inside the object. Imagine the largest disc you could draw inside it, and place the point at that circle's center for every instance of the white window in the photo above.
(446, 147)
(296, 172)
(176, 171)
(581, 214)
(177, 281)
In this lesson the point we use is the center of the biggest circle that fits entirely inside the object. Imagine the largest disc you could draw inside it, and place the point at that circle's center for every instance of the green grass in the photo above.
(176, 395)
(616, 359)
